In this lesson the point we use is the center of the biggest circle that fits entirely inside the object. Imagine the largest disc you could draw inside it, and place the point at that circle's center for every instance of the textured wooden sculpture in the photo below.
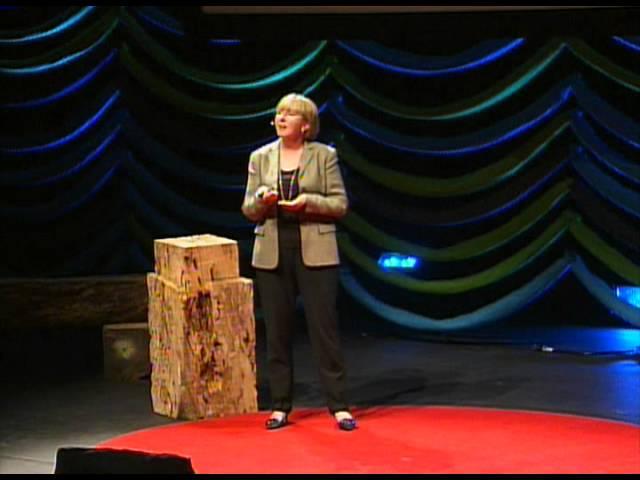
(202, 330)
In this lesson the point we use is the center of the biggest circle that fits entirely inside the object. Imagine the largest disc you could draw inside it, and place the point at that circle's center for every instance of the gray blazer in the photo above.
(321, 181)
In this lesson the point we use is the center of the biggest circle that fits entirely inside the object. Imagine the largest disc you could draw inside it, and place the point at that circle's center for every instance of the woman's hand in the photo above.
(296, 205)
(266, 196)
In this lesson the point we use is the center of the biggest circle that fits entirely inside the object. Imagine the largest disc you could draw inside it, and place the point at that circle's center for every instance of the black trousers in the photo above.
(278, 290)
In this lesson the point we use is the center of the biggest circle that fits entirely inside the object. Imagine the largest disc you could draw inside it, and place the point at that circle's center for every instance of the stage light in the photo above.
(629, 294)
(397, 261)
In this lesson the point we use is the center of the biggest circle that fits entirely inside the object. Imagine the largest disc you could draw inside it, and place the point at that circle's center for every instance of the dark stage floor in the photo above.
(53, 393)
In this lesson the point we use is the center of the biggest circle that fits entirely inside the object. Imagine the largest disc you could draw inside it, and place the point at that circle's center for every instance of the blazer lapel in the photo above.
(305, 160)
(273, 165)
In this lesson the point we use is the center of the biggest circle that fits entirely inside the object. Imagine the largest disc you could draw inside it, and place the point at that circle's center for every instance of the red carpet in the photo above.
(400, 440)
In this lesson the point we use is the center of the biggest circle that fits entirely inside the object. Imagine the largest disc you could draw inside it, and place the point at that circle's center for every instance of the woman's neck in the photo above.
(290, 155)
(292, 143)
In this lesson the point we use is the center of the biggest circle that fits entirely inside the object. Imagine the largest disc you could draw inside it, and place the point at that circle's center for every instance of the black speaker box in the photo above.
(72, 460)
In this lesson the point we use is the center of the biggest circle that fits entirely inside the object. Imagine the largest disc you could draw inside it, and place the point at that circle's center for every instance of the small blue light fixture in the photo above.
(398, 261)
(629, 294)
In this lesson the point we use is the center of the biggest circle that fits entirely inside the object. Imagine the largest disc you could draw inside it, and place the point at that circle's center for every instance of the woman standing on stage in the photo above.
(294, 194)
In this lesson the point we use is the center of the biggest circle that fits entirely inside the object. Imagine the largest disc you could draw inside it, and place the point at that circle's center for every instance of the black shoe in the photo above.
(273, 423)
(347, 424)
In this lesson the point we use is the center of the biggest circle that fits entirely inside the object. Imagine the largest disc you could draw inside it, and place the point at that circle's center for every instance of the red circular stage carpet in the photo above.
(399, 440)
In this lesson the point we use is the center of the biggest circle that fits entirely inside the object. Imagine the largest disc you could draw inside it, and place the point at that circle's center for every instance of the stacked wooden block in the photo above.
(202, 328)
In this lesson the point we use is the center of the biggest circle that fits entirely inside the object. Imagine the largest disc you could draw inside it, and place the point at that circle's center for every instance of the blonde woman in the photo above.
(294, 194)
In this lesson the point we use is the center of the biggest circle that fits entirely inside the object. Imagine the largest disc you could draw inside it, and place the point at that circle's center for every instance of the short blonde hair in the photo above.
(298, 103)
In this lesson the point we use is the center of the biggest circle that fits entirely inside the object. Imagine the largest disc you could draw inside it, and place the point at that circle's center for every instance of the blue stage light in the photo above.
(629, 294)
(67, 138)
(397, 261)
(381, 57)
(61, 28)
(632, 43)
